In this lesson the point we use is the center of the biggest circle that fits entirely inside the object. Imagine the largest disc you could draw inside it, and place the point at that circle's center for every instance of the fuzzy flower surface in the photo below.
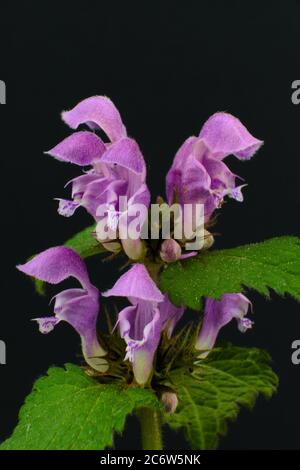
(111, 167)
(141, 323)
(218, 313)
(198, 173)
(79, 306)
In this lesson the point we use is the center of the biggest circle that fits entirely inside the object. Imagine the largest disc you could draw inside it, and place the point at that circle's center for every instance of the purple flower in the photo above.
(198, 174)
(218, 313)
(141, 323)
(79, 307)
(116, 168)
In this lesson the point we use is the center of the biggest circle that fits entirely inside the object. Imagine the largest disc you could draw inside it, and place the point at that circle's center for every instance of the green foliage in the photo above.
(212, 393)
(271, 264)
(67, 409)
(85, 243)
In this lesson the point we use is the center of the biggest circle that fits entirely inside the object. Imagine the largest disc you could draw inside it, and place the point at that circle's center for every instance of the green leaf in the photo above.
(272, 264)
(85, 244)
(40, 286)
(69, 410)
(212, 394)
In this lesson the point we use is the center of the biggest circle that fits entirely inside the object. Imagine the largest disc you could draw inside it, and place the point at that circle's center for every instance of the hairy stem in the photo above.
(150, 421)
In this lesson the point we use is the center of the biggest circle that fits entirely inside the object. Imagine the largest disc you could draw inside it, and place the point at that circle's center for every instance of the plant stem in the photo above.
(150, 421)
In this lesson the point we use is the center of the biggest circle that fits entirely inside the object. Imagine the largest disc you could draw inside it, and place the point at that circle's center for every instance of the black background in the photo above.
(167, 66)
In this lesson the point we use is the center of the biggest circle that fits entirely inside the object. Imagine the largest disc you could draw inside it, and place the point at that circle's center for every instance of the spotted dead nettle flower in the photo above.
(198, 173)
(115, 168)
(218, 313)
(141, 324)
(78, 307)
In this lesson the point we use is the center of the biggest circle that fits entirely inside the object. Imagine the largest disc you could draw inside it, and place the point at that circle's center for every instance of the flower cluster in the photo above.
(115, 167)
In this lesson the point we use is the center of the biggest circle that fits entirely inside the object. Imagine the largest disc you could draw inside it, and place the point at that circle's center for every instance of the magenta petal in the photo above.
(80, 310)
(184, 151)
(101, 194)
(46, 324)
(136, 284)
(237, 194)
(57, 264)
(80, 148)
(125, 153)
(66, 208)
(86, 190)
(140, 326)
(170, 314)
(173, 179)
(218, 313)
(80, 183)
(132, 244)
(97, 112)
(188, 255)
(141, 196)
(195, 182)
(221, 177)
(224, 134)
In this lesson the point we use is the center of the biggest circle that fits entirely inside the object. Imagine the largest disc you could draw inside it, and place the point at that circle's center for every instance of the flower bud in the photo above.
(134, 249)
(208, 240)
(170, 401)
(112, 246)
(170, 251)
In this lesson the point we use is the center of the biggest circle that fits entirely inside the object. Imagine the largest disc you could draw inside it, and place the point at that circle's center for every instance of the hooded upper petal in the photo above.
(57, 264)
(97, 112)
(224, 134)
(127, 154)
(80, 148)
(136, 284)
(218, 313)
